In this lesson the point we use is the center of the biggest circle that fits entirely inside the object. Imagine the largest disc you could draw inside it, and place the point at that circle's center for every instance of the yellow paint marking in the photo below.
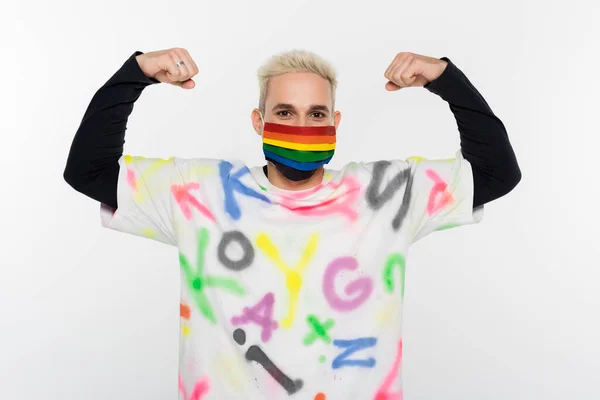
(293, 276)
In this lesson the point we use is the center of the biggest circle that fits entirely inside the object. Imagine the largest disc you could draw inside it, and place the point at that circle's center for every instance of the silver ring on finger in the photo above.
(179, 64)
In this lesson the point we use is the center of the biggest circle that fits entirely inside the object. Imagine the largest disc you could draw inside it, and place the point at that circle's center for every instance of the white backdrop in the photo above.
(507, 309)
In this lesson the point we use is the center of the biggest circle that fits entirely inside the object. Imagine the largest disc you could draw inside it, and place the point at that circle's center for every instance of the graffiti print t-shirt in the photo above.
(291, 294)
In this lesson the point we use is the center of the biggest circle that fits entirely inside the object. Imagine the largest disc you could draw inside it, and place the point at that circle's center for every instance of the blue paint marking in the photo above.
(231, 183)
(352, 346)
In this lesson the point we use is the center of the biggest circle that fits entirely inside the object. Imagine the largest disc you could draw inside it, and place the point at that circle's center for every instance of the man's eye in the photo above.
(319, 115)
(283, 113)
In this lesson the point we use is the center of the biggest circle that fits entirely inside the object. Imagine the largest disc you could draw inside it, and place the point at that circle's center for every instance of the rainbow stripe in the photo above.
(328, 130)
(299, 155)
(301, 166)
(300, 147)
(306, 139)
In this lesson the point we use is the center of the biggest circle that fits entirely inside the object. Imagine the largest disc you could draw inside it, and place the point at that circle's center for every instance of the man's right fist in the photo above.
(163, 66)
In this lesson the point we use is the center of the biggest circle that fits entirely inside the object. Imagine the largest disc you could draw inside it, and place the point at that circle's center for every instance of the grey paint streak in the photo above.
(239, 335)
(377, 198)
(248, 250)
(256, 354)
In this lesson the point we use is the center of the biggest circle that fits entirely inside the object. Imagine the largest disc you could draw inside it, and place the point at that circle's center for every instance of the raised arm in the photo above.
(483, 138)
(93, 163)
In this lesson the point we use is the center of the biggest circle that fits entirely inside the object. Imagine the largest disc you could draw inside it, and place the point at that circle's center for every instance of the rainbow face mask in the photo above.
(304, 148)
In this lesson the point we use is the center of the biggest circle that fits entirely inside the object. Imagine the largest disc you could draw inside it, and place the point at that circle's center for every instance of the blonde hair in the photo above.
(294, 61)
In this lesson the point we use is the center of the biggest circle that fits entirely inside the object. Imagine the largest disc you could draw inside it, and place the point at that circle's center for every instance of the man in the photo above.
(293, 274)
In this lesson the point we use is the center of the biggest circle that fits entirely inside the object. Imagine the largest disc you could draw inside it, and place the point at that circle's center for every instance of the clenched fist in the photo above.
(411, 70)
(173, 66)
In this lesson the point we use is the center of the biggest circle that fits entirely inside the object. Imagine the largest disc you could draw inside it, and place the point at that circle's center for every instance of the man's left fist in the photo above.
(412, 70)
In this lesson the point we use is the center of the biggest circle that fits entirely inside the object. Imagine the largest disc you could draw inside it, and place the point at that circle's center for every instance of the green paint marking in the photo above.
(299, 155)
(447, 226)
(395, 259)
(198, 282)
(322, 359)
(318, 330)
(227, 284)
(310, 339)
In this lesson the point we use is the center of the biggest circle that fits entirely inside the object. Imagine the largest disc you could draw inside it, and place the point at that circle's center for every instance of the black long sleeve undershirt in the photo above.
(483, 138)
(92, 166)
(93, 163)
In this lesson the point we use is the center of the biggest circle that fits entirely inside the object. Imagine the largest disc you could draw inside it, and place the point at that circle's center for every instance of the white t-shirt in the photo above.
(291, 294)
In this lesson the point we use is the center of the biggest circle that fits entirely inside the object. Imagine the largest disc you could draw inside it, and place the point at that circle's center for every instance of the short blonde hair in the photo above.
(294, 61)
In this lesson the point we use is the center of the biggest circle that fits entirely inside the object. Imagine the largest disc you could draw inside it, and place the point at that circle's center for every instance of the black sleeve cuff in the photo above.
(130, 72)
(446, 80)
(137, 53)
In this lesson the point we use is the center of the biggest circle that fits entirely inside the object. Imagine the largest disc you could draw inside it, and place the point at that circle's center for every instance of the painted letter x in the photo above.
(198, 282)
(318, 330)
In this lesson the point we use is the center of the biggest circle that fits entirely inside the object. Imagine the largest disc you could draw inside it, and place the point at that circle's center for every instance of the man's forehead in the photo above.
(300, 91)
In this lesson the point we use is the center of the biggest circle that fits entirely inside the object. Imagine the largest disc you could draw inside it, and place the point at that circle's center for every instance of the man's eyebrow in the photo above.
(312, 108)
(283, 106)
(319, 107)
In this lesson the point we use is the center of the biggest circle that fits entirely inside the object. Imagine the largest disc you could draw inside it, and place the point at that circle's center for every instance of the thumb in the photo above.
(189, 84)
(391, 86)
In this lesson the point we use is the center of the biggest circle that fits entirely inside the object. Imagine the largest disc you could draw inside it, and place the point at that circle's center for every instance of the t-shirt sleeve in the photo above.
(442, 195)
(149, 193)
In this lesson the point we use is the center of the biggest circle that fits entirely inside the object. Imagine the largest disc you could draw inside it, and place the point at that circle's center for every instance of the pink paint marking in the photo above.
(185, 199)
(384, 390)
(182, 388)
(434, 203)
(131, 179)
(304, 194)
(344, 204)
(261, 314)
(200, 389)
(361, 286)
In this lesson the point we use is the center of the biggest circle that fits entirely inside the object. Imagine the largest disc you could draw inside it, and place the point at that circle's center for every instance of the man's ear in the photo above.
(257, 123)
(337, 117)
